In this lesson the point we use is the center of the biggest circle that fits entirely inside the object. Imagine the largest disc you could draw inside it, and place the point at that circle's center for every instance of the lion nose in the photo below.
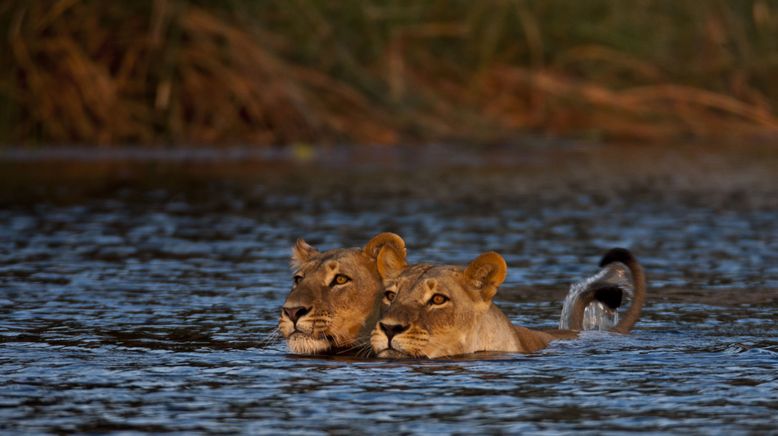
(390, 330)
(295, 313)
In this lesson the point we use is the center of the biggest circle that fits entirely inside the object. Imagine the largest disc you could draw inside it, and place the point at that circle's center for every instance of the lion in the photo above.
(336, 295)
(432, 311)
(592, 303)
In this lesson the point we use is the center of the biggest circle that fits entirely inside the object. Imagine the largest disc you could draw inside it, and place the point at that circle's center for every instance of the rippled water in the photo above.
(140, 293)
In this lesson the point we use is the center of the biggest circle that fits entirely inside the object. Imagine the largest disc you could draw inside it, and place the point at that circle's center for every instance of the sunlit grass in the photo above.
(280, 72)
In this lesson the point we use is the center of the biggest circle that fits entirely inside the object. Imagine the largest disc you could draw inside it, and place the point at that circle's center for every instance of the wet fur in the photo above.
(467, 323)
(340, 317)
(609, 295)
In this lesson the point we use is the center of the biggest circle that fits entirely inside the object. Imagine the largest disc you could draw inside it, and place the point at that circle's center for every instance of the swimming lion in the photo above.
(336, 295)
(592, 304)
(442, 310)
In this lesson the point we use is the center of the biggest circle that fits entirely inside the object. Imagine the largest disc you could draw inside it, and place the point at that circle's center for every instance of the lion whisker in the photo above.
(361, 349)
(366, 351)
(271, 337)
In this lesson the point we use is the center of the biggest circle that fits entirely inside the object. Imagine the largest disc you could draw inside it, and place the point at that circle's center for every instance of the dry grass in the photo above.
(189, 72)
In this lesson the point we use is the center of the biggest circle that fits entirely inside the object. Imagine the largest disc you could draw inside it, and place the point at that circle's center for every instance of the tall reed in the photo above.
(277, 72)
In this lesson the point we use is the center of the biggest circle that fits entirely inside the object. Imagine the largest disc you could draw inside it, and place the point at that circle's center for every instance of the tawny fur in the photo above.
(632, 314)
(339, 317)
(467, 322)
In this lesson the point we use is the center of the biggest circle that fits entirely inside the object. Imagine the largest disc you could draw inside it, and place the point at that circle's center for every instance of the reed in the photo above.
(188, 72)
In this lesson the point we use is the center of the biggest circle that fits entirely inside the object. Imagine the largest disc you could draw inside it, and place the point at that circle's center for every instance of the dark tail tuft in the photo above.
(617, 255)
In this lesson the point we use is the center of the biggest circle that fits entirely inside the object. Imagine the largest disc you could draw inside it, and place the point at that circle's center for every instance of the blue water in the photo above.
(143, 295)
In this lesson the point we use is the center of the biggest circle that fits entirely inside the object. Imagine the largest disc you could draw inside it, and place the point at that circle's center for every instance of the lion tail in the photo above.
(621, 273)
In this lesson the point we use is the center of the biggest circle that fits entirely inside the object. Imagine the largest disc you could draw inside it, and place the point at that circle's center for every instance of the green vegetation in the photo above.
(278, 72)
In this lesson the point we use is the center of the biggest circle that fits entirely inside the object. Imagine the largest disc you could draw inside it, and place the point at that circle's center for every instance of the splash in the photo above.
(601, 314)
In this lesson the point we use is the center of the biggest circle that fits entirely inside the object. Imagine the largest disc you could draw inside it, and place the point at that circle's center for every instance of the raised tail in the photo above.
(592, 303)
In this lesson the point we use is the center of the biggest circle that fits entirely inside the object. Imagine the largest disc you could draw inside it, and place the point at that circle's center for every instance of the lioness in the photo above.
(435, 311)
(591, 304)
(336, 295)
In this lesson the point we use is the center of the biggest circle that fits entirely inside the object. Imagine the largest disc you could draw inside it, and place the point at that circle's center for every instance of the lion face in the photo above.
(433, 311)
(335, 296)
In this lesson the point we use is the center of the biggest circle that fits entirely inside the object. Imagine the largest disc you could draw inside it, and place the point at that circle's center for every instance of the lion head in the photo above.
(335, 297)
(432, 311)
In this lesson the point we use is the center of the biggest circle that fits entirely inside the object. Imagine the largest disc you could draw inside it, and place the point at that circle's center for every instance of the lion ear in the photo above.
(391, 261)
(486, 273)
(388, 249)
(301, 253)
(373, 247)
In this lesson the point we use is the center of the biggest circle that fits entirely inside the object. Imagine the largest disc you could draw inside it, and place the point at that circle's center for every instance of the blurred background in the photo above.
(188, 72)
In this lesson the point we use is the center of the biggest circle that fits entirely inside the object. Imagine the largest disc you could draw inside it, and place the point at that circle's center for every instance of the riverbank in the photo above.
(170, 72)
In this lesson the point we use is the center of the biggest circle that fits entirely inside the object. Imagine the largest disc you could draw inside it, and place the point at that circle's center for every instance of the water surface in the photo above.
(139, 291)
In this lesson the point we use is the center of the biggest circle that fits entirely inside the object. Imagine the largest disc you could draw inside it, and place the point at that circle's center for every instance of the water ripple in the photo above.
(150, 307)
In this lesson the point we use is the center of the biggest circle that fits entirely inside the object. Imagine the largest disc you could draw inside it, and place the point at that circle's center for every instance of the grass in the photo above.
(280, 72)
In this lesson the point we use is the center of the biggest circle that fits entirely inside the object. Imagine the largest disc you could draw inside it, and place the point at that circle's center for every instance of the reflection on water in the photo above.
(143, 296)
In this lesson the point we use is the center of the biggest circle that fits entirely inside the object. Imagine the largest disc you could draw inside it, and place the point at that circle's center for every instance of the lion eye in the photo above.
(390, 295)
(340, 279)
(438, 299)
(298, 279)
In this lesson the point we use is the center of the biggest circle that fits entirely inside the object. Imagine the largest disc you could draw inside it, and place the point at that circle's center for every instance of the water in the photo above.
(597, 315)
(139, 292)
